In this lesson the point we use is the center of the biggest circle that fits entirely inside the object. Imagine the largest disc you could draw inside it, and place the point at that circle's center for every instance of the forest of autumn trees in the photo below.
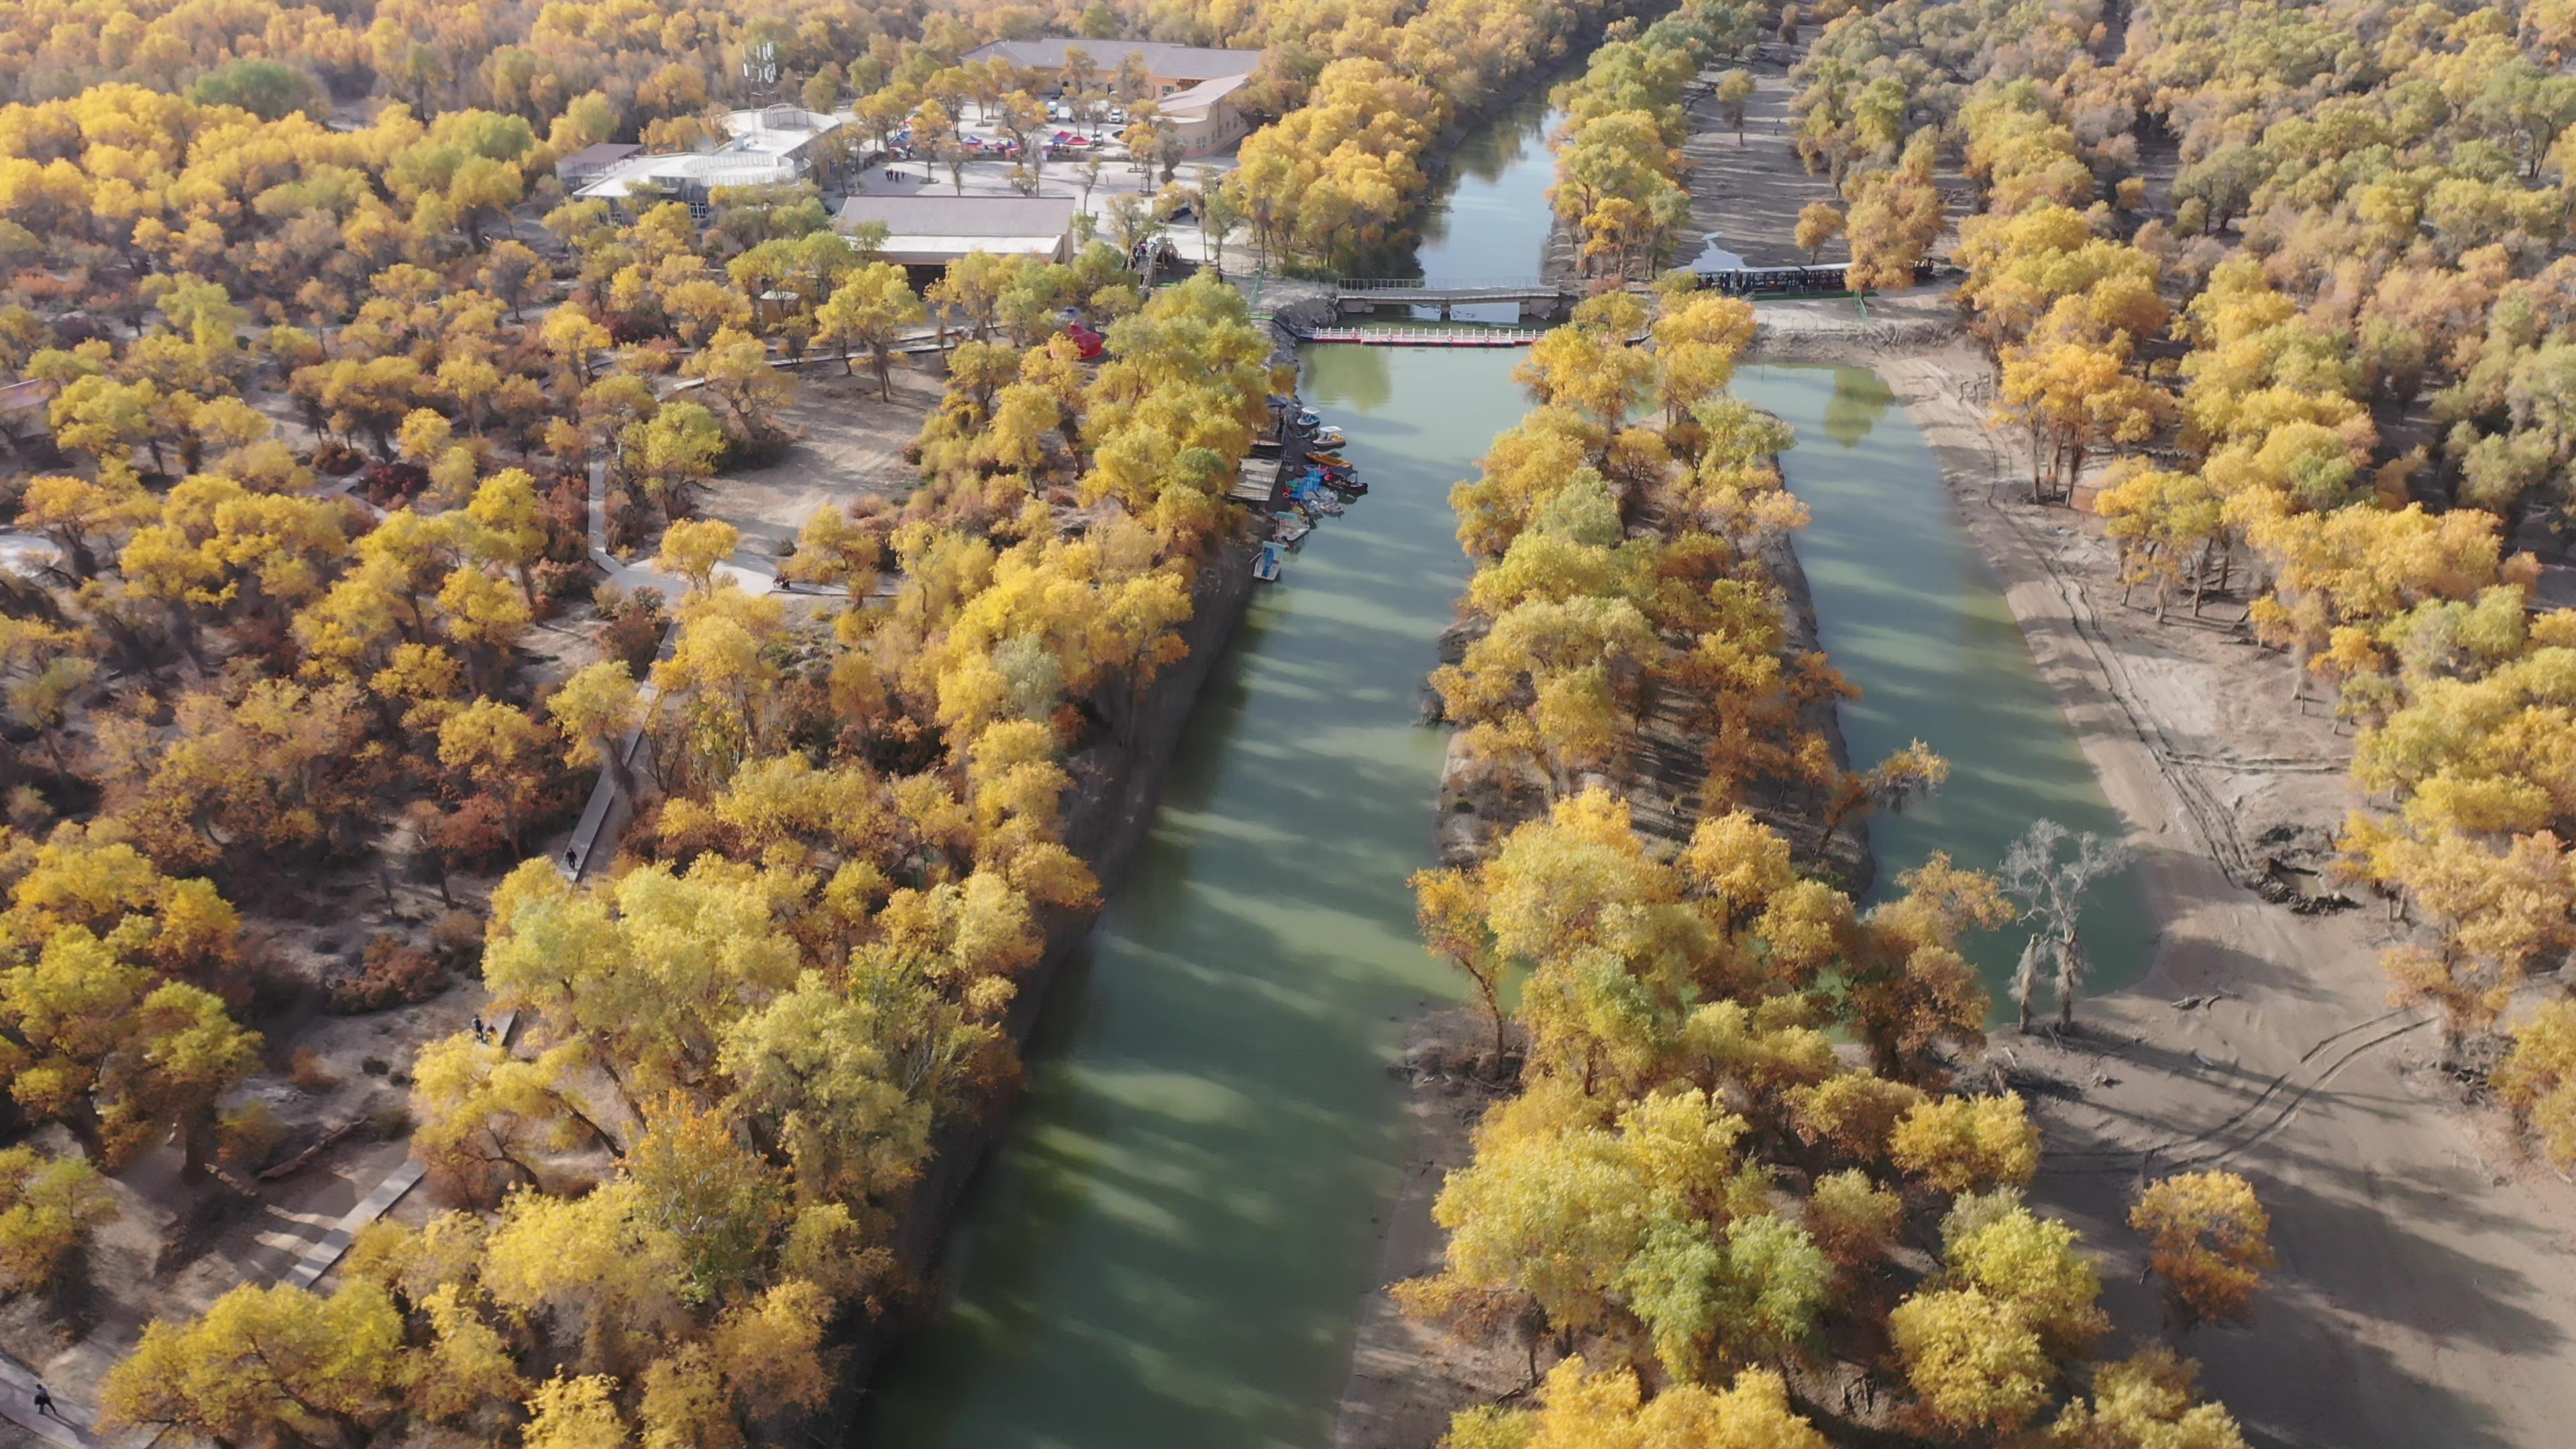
(329, 358)
(1618, 185)
(1712, 1219)
(1335, 177)
(324, 400)
(2295, 274)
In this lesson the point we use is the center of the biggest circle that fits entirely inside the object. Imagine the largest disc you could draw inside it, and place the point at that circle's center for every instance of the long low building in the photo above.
(932, 231)
(1168, 68)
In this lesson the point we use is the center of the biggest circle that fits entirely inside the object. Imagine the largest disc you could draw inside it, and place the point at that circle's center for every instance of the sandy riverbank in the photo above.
(2426, 1265)
(2426, 1291)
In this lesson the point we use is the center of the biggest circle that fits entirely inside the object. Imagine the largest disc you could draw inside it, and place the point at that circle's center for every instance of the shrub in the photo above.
(337, 459)
(393, 972)
(246, 1138)
(48, 1208)
(391, 1120)
(559, 583)
(306, 1070)
(393, 484)
(457, 936)
(634, 632)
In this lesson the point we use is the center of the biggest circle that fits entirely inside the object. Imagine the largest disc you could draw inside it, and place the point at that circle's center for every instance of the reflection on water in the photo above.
(1488, 215)
(1172, 1241)
(1713, 257)
(1360, 377)
(1515, 134)
(1861, 397)
(1911, 614)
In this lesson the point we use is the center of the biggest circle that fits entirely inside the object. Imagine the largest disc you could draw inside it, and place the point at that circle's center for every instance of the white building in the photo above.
(765, 147)
(932, 231)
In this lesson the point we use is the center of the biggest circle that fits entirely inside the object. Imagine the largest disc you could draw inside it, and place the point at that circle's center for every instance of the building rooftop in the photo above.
(1173, 62)
(1196, 99)
(766, 147)
(600, 153)
(928, 230)
(961, 215)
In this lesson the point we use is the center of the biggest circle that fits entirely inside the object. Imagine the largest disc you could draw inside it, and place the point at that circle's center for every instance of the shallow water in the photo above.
(1171, 1243)
(1713, 256)
(1911, 613)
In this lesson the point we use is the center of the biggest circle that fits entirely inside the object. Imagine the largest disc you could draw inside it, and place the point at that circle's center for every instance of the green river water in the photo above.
(1169, 1246)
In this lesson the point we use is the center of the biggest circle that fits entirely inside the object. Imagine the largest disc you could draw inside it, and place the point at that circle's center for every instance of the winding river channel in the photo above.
(1170, 1243)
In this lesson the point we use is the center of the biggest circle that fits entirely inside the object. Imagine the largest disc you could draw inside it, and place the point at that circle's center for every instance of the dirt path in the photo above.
(1746, 190)
(2426, 1292)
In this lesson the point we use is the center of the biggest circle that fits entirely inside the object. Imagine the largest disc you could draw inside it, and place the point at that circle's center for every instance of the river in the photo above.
(1169, 1244)
(1912, 614)
(1168, 1247)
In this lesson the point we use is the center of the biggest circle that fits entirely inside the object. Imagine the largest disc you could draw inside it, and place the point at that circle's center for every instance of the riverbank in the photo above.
(2426, 1292)
(1748, 187)
(1106, 813)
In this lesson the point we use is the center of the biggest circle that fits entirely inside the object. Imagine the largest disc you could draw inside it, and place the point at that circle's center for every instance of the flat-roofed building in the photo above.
(932, 231)
(592, 162)
(1168, 68)
(766, 147)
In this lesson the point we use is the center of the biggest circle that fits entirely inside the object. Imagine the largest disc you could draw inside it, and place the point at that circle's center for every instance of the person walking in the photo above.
(45, 1404)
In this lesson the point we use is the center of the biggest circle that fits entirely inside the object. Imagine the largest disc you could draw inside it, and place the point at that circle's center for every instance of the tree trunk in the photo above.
(2025, 982)
(2070, 978)
(193, 1146)
(596, 1131)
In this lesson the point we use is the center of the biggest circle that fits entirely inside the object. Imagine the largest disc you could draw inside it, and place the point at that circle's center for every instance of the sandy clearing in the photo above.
(1748, 190)
(850, 446)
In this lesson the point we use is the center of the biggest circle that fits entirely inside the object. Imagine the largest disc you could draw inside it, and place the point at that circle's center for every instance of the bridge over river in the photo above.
(1541, 299)
(1536, 297)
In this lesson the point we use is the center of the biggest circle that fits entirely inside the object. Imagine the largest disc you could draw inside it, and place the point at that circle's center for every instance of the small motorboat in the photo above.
(1345, 483)
(1289, 531)
(1324, 503)
(1266, 567)
(1330, 438)
(1328, 460)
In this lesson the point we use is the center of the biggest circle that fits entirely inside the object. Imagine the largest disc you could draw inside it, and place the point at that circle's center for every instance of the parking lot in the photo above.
(1067, 173)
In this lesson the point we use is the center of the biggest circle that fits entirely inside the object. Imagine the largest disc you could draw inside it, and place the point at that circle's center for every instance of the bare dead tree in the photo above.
(2050, 881)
